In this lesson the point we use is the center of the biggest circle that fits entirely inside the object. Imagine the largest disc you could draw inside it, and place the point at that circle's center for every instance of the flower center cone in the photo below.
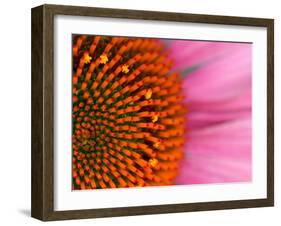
(128, 113)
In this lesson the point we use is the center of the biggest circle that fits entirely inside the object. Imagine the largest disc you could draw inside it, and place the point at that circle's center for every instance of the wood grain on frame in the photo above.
(42, 203)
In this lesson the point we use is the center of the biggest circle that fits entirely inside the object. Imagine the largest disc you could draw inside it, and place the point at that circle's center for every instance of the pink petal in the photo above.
(198, 120)
(220, 79)
(206, 113)
(218, 154)
(189, 53)
(218, 96)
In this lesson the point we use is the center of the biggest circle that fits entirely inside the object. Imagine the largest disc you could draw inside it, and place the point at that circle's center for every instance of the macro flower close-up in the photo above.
(150, 112)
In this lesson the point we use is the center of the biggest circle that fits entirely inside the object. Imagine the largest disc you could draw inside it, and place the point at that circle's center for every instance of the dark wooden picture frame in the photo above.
(42, 203)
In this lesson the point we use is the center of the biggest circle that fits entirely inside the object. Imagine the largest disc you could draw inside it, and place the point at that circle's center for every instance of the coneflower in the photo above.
(128, 113)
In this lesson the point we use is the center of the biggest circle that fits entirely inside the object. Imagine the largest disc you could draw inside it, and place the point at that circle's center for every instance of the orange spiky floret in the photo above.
(128, 113)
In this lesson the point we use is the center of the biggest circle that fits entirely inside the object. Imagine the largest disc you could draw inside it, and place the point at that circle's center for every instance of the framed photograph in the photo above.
(141, 112)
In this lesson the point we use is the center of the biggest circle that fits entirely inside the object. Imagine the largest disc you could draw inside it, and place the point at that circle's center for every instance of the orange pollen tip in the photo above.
(87, 58)
(154, 118)
(156, 145)
(148, 94)
(125, 68)
(103, 58)
(153, 162)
